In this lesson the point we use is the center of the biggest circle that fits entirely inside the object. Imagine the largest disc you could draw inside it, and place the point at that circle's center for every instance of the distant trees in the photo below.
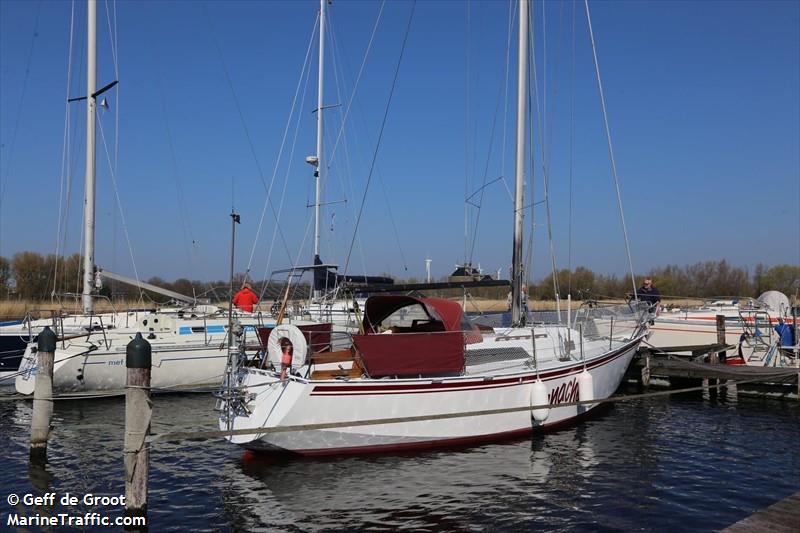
(5, 277)
(32, 276)
(706, 279)
(36, 276)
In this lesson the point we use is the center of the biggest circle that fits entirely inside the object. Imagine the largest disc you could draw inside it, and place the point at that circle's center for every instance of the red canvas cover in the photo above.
(411, 354)
(449, 311)
(454, 320)
(318, 336)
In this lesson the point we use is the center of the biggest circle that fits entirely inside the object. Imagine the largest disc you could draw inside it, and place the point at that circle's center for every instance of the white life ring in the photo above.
(299, 345)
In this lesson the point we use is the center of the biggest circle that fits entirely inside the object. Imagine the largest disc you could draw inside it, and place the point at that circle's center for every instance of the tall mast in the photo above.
(88, 208)
(320, 106)
(519, 191)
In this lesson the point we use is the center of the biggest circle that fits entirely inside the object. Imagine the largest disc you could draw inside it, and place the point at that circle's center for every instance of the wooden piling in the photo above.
(138, 411)
(721, 338)
(43, 395)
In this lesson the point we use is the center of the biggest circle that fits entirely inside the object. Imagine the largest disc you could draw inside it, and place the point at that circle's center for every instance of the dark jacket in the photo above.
(651, 295)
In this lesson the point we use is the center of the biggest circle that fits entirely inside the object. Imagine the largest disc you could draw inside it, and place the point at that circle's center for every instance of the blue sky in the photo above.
(703, 101)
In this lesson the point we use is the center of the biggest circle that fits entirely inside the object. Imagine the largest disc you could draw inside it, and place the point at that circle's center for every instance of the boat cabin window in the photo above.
(411, 318)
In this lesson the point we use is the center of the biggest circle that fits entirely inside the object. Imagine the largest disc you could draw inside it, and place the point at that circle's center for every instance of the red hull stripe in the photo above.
(476, 384)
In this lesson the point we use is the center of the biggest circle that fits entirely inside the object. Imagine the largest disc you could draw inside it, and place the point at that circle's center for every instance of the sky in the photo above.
(214, 112)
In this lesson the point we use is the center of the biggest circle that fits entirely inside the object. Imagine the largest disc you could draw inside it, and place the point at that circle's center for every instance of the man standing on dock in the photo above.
(784, 332)
(649, 293)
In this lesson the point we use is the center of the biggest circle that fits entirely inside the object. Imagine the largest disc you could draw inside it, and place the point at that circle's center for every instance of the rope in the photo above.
(610, 149)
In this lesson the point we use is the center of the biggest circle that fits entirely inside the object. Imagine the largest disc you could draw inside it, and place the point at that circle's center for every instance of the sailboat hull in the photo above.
(431, 402)
(84, 368)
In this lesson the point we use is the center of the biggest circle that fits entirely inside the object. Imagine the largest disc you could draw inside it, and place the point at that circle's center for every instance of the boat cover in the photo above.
(318, 336)
(412, 354)
(446, 314)
(434, 347)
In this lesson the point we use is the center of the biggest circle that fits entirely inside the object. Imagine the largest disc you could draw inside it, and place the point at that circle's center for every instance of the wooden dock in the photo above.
(781, 517)
(681, 367)
(682, 370)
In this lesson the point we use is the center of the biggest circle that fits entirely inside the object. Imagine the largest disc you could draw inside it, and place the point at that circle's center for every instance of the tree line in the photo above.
(36, 277)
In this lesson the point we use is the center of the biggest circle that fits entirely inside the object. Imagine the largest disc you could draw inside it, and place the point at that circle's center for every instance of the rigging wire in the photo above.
(541, 113)
(380, 134)
(347, 172)
(71, 159)
(381, 181)
(304, 72)
(64, 151)
(610, 150)
(512, 17)
(467, 106)
(188, 236)
(502, 97)
(571, 149)
(325, 179)
(119, 204)
(531, 130)
(20, 107)
(114, 34)
(485, 176)
(267, 189)
(357, 82)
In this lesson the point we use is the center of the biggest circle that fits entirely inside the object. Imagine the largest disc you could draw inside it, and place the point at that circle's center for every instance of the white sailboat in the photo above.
(749, 326)
(189, 345)
(434, 366)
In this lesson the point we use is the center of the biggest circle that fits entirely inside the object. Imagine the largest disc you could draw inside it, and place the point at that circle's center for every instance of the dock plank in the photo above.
(783, 516)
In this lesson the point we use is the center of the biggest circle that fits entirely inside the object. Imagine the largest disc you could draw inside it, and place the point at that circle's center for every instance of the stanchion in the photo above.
(138, 411)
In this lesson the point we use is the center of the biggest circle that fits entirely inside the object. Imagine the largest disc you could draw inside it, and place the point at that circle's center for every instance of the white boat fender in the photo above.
(299, 345)
(585, 387)
(539, 397)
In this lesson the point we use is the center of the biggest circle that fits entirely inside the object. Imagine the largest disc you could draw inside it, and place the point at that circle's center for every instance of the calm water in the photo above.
(652, 465)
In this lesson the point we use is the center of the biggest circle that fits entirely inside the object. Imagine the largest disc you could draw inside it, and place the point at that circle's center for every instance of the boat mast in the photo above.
(316, 160)
(320, 107)
(89, 200)
(519, 192)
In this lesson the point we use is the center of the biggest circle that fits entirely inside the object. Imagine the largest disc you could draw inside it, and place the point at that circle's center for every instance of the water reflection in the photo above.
(662, 465)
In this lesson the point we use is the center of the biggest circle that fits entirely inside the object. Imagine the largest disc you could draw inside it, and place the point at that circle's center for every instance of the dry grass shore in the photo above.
(16, 309)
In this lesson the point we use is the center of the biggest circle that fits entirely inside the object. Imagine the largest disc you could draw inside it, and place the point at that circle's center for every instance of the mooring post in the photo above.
(717, 356)
(721, 338)
(43, 395)
(138, 410)
(795, 312)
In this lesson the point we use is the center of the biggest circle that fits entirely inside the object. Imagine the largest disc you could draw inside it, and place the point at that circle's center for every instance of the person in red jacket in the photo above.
(245, 299)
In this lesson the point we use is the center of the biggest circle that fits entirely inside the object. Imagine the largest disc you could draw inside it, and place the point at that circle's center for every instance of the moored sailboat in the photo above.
(419, 375)
(189, 345)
